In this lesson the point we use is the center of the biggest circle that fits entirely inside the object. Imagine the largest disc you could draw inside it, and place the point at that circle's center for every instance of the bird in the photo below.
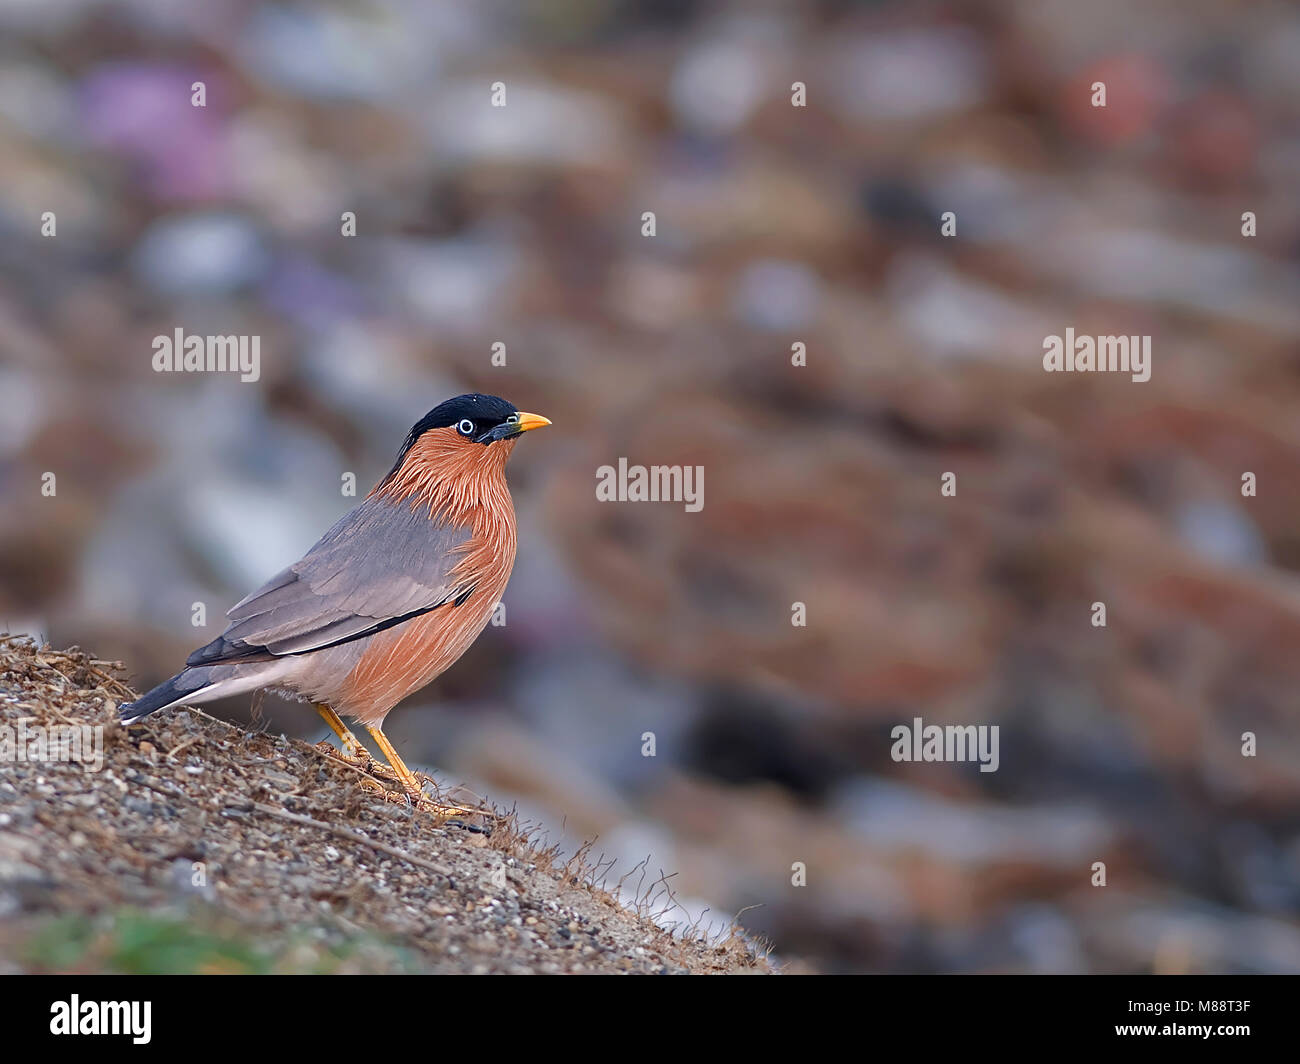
(387, 599)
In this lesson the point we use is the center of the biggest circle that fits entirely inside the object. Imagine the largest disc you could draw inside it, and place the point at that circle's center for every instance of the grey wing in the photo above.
(379, 565)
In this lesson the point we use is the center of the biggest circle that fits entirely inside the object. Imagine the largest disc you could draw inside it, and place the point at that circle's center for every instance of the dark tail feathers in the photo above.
(163, 695)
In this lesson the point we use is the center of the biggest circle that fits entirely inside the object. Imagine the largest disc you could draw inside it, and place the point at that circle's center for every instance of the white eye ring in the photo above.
(466, 427)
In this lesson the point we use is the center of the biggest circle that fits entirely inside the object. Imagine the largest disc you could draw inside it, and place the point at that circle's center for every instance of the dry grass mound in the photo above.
(193, 846)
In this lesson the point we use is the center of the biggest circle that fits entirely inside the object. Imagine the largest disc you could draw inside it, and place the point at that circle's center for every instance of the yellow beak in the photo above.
(531, 421)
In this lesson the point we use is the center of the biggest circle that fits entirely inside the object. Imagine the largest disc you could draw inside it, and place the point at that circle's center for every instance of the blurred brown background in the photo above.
(776, 225)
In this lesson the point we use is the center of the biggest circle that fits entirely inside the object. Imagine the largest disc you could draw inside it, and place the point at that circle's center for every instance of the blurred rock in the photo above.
(212, 254)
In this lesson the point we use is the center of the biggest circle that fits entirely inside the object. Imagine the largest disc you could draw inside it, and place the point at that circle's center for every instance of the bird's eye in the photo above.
(466, 427)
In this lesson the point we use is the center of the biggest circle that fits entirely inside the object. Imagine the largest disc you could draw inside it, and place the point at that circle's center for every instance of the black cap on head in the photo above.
(485, 411)
(476, 417)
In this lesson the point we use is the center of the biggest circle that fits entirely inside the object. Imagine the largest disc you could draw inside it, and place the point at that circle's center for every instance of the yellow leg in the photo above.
(351, 744)
(410, 782)
(407, 777)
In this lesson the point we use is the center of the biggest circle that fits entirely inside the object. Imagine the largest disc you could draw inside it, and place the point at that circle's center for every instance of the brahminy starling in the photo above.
(388, 598)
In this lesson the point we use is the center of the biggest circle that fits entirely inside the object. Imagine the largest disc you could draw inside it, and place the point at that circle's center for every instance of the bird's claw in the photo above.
(390, 785)
(454, 815)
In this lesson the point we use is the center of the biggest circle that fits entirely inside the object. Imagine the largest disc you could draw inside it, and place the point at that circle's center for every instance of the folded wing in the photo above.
(381, 564)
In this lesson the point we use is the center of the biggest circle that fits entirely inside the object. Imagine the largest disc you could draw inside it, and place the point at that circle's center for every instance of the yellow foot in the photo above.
(409, 786)
(353, 751)
(413, 786)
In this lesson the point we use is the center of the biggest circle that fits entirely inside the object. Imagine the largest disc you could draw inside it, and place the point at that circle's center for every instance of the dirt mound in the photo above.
(189, 845)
